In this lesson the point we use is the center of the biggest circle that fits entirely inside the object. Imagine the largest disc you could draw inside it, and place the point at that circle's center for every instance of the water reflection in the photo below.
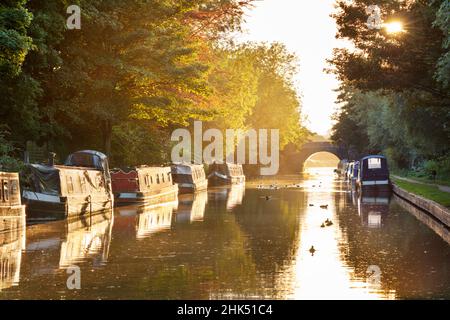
(73, 241)
(233, 195)
(373, 208)
(191, 207)
(374, 248)
(12, 242)
(87, 237)
(153, 220)
(326, 274)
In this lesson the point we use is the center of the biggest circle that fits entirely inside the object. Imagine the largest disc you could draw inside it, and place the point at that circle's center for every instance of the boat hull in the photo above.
(149, 198)
(46, 207)
(220, 180)
(184, 188)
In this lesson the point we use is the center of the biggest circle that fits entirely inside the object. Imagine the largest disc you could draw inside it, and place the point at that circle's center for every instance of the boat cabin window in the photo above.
(374, 163)
(157, 179)
(69, 184)
(4, 191)
(168, 176)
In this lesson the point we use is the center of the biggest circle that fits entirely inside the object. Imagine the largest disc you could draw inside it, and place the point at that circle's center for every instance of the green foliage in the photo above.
(443, 66)
(395, 86)
(8, 162)
(135, 71)
(14, 42)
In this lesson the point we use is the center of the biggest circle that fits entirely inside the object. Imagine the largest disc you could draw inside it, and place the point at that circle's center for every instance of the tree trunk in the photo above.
(107, 137)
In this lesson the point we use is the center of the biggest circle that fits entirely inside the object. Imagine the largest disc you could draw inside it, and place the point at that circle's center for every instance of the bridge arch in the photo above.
(310, 148)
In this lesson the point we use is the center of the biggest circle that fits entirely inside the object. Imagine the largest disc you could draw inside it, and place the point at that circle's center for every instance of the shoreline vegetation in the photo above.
(395, 87)
(427, 191)
(133, 73)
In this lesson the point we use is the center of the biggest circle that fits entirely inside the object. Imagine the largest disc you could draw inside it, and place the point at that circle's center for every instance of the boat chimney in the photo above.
(51, 158)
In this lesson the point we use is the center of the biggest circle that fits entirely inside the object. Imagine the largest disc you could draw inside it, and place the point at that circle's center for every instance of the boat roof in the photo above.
(373, 156)
(93, 152)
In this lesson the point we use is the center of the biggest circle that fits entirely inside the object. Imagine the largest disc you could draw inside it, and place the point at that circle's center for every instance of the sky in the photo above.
(306, 28)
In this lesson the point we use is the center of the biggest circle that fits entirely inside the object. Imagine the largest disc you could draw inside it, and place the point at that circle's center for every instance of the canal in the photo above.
(248, 243)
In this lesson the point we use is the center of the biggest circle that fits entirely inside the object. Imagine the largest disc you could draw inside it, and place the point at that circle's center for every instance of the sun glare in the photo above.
(394, 27)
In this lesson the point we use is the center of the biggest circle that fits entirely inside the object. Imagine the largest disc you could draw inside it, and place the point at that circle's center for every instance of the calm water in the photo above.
(233, 243)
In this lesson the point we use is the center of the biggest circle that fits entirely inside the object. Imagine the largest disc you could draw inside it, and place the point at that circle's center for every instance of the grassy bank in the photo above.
(426, 191)
(421, 177)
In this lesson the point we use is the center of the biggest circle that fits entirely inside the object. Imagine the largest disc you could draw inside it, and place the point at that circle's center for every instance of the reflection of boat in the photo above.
(12, 242)
(189, 177)
(372, 209)
(153, 220)
(82, 185)
(226, 174)
(232, 195)
(235, 196)
(191, 207)
(145, 185)
(87, 237)
(70, 242)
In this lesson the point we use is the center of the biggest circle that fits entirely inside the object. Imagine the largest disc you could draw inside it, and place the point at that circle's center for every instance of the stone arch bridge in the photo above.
(297, 159)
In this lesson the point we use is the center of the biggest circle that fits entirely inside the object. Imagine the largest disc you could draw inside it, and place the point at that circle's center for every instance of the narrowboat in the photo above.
(10, 201)
(81, 186)
(145, 185)
(190, 178)
(341, 167)
(226, 174)
(348, 171)
(373, 174)
(354, 173)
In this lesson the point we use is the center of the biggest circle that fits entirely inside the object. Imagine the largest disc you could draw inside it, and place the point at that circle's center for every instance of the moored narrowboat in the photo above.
(190, 178)
(146, 185)
(226, 174)
(342, 165)
(373, 174)
(10, 202)
(354, 173)
(82, 185)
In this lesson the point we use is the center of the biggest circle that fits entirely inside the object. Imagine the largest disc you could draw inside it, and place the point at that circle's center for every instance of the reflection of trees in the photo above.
(414, 262)
(271, 228)
(190, 261)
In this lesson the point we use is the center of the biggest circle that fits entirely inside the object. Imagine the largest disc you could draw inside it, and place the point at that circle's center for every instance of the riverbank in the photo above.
(429, 191)
(420, 196)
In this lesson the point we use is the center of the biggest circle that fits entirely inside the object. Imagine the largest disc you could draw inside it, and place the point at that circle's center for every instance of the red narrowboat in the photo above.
(151, 186)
